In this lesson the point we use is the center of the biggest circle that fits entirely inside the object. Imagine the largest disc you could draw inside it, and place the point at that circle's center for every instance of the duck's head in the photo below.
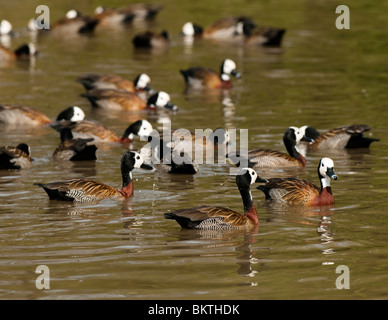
(228, 67)
(160, 99)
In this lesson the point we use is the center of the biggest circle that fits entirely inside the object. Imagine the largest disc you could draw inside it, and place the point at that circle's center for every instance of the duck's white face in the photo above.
(78, 115)
(144, 81)
(163, 99)
(138, 159)
(229, 66)
(99, 10)
(145, 129)
(71, 14)
(252, 174)
(31, 26)
(5, 27)
(303, 129)
(299, 134)
(326, 166)
(188, 29)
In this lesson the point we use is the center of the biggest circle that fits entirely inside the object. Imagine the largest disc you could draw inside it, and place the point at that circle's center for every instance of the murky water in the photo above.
(321, 76)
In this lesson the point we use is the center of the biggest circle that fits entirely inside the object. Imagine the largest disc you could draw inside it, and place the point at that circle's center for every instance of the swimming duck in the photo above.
(71, 149)
(86, 190)
(24, 52)
(74, 23)
(18, 157)
(22, 115)
(109, 81)
(199, 77)
(124, 100)
(142, 11)
(264, 158)
(112, 17)
(228, 28)
(220, 218)
(151, 39)
(263, 36)
(136, 12)
(348, 137)
(303, 192)
(88, 129)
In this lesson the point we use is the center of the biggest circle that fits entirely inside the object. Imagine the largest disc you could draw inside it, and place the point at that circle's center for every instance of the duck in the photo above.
(93, 81)
(100, 134)
(227, 28)
(265, 158)
(112, 17)
(293, 191)
(184, 165)
(74, 23)
(88, 190)
(136, 12)
(176, 144)
(142, 11)
(344, 137)
(263, 36)
(220, 218)
(112, 99)
(19, 115)
(150, 39)
(71, 149)
(18, 157)
(200, 77)
(24, 52)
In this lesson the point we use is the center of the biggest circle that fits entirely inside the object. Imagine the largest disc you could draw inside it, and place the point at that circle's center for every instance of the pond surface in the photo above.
(320, 76)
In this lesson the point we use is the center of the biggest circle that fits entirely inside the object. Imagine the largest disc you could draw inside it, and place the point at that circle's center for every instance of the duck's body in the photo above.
(86, 190)
(345, 137)
(295, 191)
(111, 99)
(24, 52)
(220, 218)
(264, 36)
(138, 12)
(265, 158)
(100, 134)
(93, 81)
(74, 23)
(199, 77)
(142, 11)
(18, 157)
(151, 39)
(22, 115)
(71, 149)
(228, 28)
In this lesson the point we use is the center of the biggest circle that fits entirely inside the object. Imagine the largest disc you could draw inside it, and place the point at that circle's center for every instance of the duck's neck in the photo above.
(294, 152)
(325, 195)
(127, 187)
(249, 208)
(325, 184)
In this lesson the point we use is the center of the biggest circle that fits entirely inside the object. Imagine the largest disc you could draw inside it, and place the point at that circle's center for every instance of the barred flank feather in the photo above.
(79, 190)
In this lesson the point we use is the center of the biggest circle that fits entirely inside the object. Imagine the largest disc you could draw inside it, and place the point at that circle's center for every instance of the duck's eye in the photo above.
(138, 157)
